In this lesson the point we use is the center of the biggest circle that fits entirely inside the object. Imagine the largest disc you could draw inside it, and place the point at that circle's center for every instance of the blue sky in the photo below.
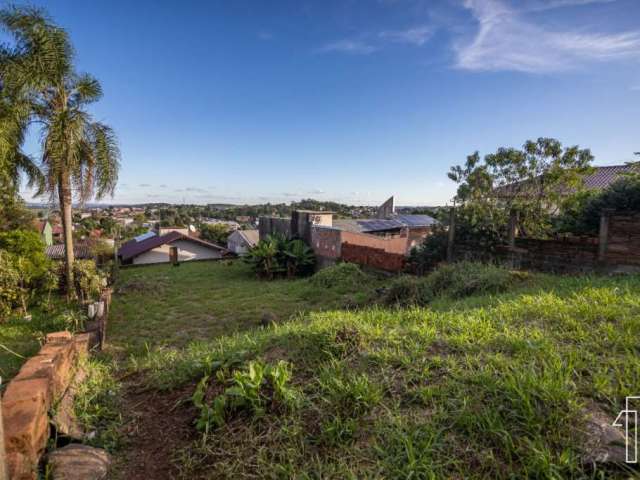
(253, 101)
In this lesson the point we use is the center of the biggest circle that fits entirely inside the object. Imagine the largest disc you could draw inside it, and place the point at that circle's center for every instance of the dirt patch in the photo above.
(156, 425)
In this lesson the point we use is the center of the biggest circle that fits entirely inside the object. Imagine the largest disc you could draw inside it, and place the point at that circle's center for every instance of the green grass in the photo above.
(488, 386)
(172, 306)
(20, 339)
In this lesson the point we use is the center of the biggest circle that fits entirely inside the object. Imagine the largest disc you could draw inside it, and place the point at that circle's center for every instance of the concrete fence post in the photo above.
(603, 236)
(4, 473)
(452, 234)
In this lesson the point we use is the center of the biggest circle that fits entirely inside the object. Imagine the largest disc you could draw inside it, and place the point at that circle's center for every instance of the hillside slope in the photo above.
(491, 387)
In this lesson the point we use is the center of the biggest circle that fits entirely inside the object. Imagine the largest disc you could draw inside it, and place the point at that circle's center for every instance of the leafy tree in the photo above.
(216, 233)
(581, 212)
(531, 181)
(23, 252)
(79, 155)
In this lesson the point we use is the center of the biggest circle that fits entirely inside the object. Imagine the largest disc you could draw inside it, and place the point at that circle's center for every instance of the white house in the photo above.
(240, 241)
(150, 248)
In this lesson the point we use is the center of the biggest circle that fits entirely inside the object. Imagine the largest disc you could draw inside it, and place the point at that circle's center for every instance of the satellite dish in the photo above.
(192, 228)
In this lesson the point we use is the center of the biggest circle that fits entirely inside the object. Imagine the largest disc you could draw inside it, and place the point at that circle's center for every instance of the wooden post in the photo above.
(4, 473)
(603, 236)
(173, 256)
(452, 234)
(513, 225)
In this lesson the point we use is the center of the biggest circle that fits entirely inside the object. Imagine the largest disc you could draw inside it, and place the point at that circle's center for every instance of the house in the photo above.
(383, 242)
(240, 241)
(151, 248)
(45, 230)
(50, 233)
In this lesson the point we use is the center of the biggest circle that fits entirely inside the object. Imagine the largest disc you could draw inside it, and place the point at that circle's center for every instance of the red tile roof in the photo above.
(133, 248)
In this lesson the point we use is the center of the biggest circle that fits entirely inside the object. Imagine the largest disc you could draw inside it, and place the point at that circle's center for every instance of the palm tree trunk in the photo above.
(64, 192)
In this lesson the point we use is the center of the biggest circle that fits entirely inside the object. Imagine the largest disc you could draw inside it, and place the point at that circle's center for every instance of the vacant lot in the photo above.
(486, 386)
(172, 306)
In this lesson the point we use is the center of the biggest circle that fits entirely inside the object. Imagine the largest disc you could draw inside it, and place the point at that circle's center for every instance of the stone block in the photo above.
(79, 462)
(59, 337)
(20, 467)
(81, 342)
(26, 421)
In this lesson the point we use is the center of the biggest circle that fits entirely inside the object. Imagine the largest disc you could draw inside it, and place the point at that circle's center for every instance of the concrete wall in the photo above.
(271, 225)
(186, 251)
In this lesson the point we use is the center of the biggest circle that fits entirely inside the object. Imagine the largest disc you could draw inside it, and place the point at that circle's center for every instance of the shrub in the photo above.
(275, 256)
(9, 285)
(455, 280)
(581, 213)
(428, 254)
(469, 278)
(407, 290)
(343, 277)
(87, 279)
(28, 245)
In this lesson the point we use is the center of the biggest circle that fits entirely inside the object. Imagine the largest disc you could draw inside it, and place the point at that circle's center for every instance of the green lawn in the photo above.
(488, 386)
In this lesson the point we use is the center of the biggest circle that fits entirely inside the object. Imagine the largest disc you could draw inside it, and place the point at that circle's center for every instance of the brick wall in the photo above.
(396, 244)
(373, 257)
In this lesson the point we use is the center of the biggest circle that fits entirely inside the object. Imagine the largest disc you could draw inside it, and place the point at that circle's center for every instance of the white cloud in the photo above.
(507, 41)
(353, 47)
(317, 191)
(416, 35)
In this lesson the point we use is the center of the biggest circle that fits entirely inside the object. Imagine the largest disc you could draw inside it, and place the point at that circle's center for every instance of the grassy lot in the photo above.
(483, 386)
(172, 306)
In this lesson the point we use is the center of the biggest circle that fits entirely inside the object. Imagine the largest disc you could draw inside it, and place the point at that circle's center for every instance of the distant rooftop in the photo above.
(367, 225)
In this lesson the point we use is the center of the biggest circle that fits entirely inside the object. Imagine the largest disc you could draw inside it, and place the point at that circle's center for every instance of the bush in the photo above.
(462, 279)
(428, 254)
(407, 290)
(87, 280)
(276, 256)
(456, 280)
(342, 277)
(581, 213)
(10, 291)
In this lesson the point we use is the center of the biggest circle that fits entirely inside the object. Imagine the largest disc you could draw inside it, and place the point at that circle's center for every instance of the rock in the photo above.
(605, 443)
(79, 462)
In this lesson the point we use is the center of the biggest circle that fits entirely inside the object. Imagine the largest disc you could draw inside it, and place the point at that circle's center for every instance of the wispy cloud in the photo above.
(144, 185)
(635, 88)
(163, 186)
(316, 191)
(415, 36)
(352, 47)
(506, 40)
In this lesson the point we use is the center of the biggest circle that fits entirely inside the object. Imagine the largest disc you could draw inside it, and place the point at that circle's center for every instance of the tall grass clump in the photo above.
(462, 279)
(344, 277)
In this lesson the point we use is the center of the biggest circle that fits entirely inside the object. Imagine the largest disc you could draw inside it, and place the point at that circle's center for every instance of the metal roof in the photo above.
(80, 251)
(396, 222)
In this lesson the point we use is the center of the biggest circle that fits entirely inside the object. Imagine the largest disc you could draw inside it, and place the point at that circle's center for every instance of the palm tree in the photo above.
(80, 157)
